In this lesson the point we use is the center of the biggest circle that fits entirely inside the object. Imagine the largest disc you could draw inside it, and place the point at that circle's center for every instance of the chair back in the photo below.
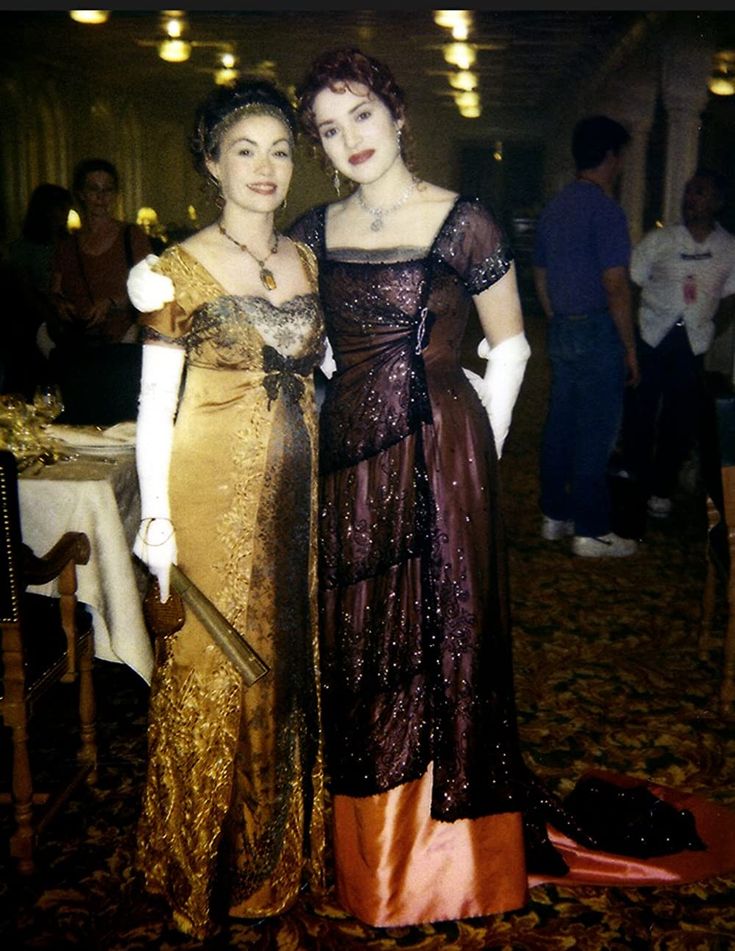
(10, 540)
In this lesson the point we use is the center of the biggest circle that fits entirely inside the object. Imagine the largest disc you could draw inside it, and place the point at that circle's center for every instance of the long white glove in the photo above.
(147, 290)
(328, 365)
(155, 543)
(498, 389)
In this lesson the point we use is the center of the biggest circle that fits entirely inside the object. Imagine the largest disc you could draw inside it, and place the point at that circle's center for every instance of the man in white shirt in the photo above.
(684, 272)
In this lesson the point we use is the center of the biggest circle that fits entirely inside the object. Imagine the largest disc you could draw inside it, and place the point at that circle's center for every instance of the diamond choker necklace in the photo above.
(379, 213)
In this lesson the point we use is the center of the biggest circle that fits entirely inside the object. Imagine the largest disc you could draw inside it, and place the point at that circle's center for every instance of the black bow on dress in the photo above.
(283, 374)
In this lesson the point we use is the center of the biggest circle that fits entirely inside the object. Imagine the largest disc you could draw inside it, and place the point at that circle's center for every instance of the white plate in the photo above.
(86, 438)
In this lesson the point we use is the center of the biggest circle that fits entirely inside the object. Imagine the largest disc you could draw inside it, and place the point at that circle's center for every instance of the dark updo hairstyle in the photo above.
(86, 167)
(341, 69)
(224, 106)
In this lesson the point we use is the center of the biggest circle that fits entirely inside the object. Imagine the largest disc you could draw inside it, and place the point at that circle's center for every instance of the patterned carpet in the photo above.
(607, 676)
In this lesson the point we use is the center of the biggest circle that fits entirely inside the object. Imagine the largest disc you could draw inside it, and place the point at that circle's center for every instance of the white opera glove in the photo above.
(147, 290)
(328, 365)
(155, 543)
(498, 388)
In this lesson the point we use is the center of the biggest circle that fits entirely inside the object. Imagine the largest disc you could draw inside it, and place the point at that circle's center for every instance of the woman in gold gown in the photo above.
(232, 818)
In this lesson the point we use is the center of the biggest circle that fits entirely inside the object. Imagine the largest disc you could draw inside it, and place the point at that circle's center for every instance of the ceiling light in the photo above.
(721, 84)
(90, 16)
(445, 18)
(174, 28)
(471, 112)
(466, 100)
(174, 51)
(459, 22)
(451, 18)
(226, 75)
(498, 151)
(228, 60)
(464, 80)
(461, 55)
(722, 80)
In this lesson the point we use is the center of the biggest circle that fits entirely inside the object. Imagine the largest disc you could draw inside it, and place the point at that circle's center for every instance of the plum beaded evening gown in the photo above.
(419, 713)
(232, 818)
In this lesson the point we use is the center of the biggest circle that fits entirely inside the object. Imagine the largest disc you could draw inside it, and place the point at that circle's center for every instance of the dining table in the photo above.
(92, 487)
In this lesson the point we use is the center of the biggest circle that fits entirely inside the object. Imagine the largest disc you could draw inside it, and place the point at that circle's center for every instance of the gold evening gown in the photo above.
(232, 819)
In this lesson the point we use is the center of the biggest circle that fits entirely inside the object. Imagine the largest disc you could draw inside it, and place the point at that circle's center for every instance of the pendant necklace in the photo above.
(266, 275)
(380, 213)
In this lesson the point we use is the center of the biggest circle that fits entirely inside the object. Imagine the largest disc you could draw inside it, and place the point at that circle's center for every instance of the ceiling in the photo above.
(528, 62)
(526, 59)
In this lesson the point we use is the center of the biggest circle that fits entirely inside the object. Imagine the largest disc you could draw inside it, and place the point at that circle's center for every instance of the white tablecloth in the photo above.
(100, 498)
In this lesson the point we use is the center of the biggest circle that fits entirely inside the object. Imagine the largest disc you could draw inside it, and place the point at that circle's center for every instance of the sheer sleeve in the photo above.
(173, 321)
(474, 243)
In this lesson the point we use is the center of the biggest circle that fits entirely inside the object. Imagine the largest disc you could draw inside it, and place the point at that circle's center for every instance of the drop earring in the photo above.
(336, 181)
(219, 198)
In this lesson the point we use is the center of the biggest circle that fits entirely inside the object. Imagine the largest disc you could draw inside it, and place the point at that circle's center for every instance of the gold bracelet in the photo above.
(144, 531)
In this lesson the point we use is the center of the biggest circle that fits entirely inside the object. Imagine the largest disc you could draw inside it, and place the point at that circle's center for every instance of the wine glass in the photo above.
(48, 402)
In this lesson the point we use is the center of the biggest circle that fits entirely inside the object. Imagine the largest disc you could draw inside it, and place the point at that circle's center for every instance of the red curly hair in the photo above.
(339, 69)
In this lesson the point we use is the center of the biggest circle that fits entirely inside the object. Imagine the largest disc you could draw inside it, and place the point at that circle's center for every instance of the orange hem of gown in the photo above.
(396, 866)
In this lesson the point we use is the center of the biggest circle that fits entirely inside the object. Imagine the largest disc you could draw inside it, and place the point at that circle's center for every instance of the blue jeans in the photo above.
(585, 410)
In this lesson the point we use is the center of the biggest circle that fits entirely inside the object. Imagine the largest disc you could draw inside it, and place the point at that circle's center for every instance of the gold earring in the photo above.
(336, 181)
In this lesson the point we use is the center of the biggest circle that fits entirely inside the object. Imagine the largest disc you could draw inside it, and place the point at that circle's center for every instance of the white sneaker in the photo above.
(604, 546)
(552, 529)
(659, 507)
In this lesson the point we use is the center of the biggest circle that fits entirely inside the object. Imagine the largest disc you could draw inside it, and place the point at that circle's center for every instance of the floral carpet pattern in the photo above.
(607, 676)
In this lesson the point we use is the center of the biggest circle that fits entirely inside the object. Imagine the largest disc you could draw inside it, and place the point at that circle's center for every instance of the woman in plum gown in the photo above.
(435, 814)
(232, 819)
(420, 725)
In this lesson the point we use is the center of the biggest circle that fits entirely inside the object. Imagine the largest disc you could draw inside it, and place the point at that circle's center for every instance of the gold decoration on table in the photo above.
(25, 432)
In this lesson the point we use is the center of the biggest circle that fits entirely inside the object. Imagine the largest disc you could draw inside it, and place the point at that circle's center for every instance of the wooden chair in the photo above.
(45, 641)
(721, 550)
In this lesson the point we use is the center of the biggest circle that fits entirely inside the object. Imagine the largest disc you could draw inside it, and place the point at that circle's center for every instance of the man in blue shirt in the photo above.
(580, 268)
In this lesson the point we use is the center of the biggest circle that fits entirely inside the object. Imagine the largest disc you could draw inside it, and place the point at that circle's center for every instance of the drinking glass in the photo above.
(48, 402)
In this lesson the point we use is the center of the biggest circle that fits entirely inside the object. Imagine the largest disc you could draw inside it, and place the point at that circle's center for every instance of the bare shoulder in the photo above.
(436, 194)
(200, 241)
(336, 210)
(432, 205)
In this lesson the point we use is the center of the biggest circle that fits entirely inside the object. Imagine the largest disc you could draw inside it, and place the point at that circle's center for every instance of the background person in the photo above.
(686, 274)
(26, 284)
(92, 264)
(580, 269)
(95, 323)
